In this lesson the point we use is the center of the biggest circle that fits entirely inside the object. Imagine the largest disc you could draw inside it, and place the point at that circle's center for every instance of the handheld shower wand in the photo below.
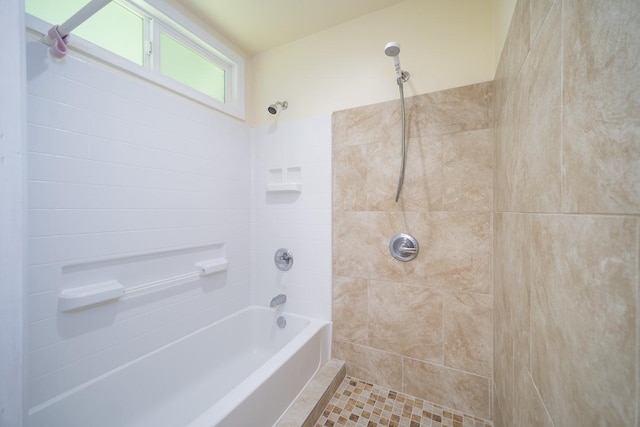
(393, 49)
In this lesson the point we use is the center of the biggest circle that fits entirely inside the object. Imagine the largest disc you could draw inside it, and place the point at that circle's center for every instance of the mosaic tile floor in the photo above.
(357, 403)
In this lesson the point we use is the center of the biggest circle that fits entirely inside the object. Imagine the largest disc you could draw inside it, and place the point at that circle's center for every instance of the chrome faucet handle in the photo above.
(283, 259)
(286, 257)
(407, 250)
(403, 247)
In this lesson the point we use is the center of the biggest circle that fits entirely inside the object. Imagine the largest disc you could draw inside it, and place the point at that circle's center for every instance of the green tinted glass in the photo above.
(191, 68)
(114, 27)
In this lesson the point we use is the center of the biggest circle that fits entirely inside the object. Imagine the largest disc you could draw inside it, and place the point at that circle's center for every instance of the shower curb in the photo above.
(308, 406)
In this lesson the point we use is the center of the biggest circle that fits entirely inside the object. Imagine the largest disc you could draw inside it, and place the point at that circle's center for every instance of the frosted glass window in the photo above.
(189, 67)
(113, 27)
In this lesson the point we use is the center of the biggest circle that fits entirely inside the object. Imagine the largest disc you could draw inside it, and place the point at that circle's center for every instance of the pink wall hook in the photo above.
(58, 46)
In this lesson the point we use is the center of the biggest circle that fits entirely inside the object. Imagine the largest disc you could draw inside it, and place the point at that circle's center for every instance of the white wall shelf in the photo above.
(288, 187)
(85, 296)
(283, 180)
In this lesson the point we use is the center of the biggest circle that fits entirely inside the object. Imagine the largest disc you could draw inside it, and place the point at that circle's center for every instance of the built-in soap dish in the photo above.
(285, 180)
(288, 187)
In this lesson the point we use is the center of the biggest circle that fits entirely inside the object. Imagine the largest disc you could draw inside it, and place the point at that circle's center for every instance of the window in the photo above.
(127, 41)
(182, 63)
(185, 60)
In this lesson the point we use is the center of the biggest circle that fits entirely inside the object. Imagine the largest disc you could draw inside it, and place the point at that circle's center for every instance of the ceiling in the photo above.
(258, 25)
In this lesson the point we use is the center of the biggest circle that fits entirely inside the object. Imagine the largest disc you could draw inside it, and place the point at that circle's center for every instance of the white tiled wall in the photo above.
(299, 222)
(12, 221)
(118, 166)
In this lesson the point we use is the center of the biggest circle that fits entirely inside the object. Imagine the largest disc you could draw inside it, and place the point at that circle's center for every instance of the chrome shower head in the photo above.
(274, 108)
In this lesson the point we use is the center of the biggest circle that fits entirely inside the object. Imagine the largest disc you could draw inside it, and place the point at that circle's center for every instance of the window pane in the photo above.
(190, 68)
(54, 12)
(114, 27)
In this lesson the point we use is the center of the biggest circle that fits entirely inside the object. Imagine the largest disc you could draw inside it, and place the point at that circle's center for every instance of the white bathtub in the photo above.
(240, 371)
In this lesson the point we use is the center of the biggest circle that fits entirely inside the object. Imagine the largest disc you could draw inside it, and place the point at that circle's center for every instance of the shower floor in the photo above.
(357, 403)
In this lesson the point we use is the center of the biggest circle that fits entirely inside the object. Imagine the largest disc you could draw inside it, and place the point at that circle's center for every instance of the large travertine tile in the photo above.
(601, 112)
(457, 250)
(538, 176)
(361, 245)
(377, 366)
(406, 319)
(350, 309)
(539, 10)
(511, 256)
(349, 178)
(371, 124)
(423, 180)
(528, 408)
(455, 110)
(468, 332)
(514, 52)
(503, 370)
(528, 134)
(583, 318)
(458, 390)
(507, 136)
(496, 409)
(422, 188)
(467, 160)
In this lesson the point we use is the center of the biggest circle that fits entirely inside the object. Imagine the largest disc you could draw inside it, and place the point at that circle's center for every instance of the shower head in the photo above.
(274, 108)
(392, 49)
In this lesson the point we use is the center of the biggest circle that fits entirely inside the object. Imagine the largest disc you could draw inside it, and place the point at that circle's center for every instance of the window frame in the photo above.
(159, 16)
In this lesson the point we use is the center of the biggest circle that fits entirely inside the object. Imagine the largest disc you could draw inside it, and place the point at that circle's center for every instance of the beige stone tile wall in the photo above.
(566, 222)
(424, 327)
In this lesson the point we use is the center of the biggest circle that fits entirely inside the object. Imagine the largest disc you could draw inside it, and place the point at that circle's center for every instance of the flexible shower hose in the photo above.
(404, 143)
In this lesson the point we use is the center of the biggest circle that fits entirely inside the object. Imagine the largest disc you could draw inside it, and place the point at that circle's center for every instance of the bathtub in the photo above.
(240, 371)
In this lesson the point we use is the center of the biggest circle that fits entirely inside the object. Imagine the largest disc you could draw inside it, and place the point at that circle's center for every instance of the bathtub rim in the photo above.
(314, 325)
(222, 408)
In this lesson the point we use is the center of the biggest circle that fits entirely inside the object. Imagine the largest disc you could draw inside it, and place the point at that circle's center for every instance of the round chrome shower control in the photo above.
(403, 247)
(283, 259)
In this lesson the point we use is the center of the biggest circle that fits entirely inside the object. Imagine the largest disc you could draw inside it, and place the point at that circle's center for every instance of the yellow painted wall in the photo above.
(502, 13)
(445, 44)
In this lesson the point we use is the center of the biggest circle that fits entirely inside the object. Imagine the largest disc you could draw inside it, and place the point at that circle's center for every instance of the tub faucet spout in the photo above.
(278, 300)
